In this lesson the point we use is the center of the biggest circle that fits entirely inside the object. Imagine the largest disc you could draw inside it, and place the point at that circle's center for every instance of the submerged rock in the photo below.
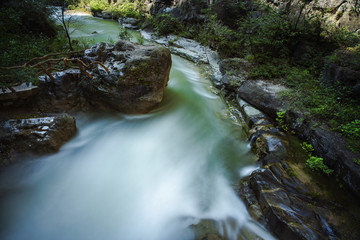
(134, 84)
(36, 135)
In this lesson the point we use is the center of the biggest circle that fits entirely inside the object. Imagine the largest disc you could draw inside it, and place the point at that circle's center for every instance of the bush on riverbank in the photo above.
(121, 8)
(26, 32)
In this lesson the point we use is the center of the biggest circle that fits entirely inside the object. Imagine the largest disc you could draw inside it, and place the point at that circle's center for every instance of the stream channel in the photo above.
(135, 177)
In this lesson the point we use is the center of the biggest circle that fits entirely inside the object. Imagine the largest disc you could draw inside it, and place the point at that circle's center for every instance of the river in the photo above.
(135, 177)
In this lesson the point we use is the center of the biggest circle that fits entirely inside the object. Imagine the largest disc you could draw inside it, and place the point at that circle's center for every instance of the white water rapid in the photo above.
(136, 177)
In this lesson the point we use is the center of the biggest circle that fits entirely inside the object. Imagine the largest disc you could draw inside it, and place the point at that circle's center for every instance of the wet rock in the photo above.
(63, 94)
(230, 84)
(130, 23)
(206, 229)
(235, 66)
(263, 95)
(21, 97)
(333, 148)
(184, 47)
(135, 85)
(135, 82)
(328, 144)
(252, 204)
(250, 114)
(36, 135)
(265, 143)
(106, 15)
(97, 14)
(288, 213)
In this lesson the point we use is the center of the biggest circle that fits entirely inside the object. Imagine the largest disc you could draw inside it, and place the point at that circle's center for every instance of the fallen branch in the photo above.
(27, 64)
(74, 63)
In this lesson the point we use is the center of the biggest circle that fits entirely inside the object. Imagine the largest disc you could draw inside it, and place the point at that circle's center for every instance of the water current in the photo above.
(134, 177)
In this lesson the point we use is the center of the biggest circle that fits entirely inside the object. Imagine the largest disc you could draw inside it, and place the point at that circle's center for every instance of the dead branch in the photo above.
(47, 65)
(40, 58)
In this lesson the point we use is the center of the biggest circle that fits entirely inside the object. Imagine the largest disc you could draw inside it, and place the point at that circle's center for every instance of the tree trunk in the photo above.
(66, 27)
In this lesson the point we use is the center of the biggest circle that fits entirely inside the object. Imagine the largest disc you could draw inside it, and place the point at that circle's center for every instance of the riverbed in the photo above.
(153, 176)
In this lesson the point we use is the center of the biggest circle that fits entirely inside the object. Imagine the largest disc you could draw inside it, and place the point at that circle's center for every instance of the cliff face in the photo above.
(342, 13)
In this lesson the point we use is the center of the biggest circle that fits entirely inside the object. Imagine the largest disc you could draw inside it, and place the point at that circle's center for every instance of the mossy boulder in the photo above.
(137, 79)
(133, 82)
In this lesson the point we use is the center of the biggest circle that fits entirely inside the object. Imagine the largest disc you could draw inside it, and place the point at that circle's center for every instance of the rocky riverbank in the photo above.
(284, 195)
(130, 79)
(281, 195)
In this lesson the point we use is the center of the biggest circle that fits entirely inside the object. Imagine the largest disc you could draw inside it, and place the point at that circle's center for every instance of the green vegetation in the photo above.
(315, 163)
(26, 32)
(124, 34)
(271, 41)
(307, 147)
(352, 132)
(281, 120)
(165, 24)
(120, 8)
(357, 161)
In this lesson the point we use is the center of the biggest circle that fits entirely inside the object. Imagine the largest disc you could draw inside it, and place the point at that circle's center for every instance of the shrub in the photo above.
(317, 163)
(220, 37)
(165, 24)
(124, 34)
(351, 129)
(98, 5)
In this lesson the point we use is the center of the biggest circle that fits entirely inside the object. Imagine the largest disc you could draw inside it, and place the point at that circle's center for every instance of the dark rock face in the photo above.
(106, 15)
(135, 82)
(131, 23)
(289, 212)
(184, 10)
(277, 196)
(63, 94)
(34, 135)
(333, 148)
(344, 71)
(281, 195)
(329, 145)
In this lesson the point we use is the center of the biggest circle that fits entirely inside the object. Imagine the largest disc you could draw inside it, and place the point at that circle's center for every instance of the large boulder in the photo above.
(263, 95)
(289, 213)
(132, 82)
(36, 135)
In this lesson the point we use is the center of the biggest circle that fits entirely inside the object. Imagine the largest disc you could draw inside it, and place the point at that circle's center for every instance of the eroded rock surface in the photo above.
(282, 197)
(37, 135)
(134, 84)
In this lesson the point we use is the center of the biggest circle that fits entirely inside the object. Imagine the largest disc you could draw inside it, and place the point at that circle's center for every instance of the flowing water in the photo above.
(134, 177)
